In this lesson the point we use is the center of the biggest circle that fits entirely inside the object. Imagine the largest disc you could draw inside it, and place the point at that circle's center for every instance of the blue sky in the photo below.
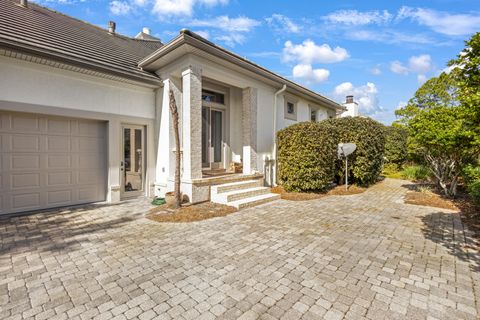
(379, 51)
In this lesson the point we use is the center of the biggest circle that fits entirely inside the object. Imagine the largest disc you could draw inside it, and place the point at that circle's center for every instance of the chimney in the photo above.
(111, 27)
(146, 30)
(24, 3)
(349, 99)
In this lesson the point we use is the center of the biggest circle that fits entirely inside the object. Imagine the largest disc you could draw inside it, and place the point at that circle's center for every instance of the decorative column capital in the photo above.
(192, 69)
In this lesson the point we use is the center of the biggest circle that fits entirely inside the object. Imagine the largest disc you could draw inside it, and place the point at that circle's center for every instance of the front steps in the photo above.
(242, 194)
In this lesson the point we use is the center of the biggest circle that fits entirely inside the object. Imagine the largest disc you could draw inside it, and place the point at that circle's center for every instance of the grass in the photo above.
(191, 213)
(409, 172)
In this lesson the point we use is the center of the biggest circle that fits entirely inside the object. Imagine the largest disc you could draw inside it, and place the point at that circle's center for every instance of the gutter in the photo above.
(275, 107)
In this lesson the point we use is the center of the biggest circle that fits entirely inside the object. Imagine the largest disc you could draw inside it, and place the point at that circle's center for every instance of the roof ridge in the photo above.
(79, 20)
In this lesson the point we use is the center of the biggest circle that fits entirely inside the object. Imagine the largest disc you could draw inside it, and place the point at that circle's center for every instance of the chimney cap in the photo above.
(111, 26)
(24, 3)
(349, 99)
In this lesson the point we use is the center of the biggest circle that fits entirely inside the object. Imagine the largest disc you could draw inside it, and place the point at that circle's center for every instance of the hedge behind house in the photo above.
(365, 164)
(306, 156)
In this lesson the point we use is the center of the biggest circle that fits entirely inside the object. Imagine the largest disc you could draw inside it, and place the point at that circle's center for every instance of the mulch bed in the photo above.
(429, 199)
(190, 213)
(304, 196)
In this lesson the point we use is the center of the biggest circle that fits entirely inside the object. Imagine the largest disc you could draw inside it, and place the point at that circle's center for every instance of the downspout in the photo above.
(275, 131)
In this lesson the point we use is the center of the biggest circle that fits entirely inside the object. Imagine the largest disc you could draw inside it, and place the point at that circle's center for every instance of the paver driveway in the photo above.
(363, 256)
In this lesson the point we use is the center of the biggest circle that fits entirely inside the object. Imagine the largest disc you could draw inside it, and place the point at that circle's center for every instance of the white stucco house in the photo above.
(84, 114)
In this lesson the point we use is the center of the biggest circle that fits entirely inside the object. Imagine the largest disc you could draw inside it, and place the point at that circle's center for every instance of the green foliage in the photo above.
(365, 164)
(306, 156)
(468, 79)
(416, 173)
(392, 170)
(396, 151)
(471, 175)
(438, 130)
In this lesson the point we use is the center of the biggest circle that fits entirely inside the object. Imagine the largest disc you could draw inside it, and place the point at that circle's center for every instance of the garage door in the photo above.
(48, 161)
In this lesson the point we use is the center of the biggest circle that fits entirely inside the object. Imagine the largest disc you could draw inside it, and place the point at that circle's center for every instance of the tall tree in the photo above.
(176, 132)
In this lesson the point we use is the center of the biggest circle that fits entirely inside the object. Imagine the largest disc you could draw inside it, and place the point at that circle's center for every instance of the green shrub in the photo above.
(392, 170)
(472, 180)
(416, 172)
(365, 164)
(306, 156)
(396, 150)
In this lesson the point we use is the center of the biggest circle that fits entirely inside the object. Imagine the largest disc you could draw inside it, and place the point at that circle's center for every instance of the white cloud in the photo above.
(442, 22)
(416, 64)
(181, 7)
(310, 75)
(401, 105)
(376, 71)
(356, 18)
(420, 64)
(365, 96)
(120, 7)
(421, 78)
(203, 33)
(239, 24)
(281, 23)
(398, 67)
(308, 53)
(231, 39)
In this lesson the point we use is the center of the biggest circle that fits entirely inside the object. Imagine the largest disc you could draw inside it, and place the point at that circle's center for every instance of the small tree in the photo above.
(176, 132)
(437, 131)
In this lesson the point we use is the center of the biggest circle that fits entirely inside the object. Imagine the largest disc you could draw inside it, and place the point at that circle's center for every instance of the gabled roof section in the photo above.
(189, 39)
(43, 32)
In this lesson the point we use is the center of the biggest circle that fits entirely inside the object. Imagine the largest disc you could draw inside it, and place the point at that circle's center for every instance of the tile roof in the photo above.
(48, 33)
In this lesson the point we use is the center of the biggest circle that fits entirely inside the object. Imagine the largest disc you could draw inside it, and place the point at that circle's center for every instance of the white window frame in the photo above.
(287, 115)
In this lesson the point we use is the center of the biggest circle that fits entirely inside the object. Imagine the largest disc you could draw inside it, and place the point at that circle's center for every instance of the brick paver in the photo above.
(367, 256)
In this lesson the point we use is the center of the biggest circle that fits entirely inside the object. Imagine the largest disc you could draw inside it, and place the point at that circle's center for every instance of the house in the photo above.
(84, 114)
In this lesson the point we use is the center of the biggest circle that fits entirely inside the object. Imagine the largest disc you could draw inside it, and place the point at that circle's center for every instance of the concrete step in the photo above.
(254, 201)
(234, 195)
(226, 187)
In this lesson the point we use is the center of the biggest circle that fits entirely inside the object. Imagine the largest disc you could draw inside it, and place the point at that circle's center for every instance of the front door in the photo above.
(212, 138)
(132, 165)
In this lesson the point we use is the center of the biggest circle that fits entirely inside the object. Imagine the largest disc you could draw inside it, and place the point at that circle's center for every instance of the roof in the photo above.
(189, 38)
(41, 31)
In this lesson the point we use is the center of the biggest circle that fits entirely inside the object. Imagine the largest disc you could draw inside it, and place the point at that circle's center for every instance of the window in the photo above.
(211, 96)
(313, 115)
(290, 109)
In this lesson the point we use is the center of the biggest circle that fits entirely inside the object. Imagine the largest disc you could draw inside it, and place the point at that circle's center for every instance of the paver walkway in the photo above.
(362, 256)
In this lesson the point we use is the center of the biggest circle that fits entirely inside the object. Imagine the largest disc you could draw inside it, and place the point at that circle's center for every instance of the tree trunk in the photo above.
(174, 112)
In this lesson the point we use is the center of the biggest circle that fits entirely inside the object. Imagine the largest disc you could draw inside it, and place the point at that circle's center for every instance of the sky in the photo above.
(379, 51)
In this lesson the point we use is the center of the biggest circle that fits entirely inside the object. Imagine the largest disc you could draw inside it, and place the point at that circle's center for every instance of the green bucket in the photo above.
(158, 201)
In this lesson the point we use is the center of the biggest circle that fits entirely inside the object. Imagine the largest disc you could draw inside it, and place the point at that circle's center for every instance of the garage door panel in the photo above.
(24, 161)
(59, 161)
(59, 197)
(25, 181)
(25, 123)
(56, 179)
(24, 143)
(58, 144)
(58, 126)
(50, 161)
(26, 201)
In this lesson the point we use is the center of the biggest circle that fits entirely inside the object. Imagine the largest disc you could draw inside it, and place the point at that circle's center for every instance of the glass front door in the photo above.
(212, 137)
(132, 165)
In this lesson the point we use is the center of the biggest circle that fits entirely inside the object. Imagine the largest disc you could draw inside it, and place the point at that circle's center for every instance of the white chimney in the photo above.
(146, 30)
(352, 107)
(24, 3)
(111, 27)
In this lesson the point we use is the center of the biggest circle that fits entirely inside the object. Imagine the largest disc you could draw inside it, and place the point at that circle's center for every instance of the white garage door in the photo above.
(50, 162)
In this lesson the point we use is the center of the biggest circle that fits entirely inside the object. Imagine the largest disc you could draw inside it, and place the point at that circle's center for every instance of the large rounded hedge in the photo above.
(365, 164)
(306, 156)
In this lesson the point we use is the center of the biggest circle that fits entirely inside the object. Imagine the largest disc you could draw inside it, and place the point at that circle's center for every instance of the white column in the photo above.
(192, 123)
(114, 158)
(249, 129)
